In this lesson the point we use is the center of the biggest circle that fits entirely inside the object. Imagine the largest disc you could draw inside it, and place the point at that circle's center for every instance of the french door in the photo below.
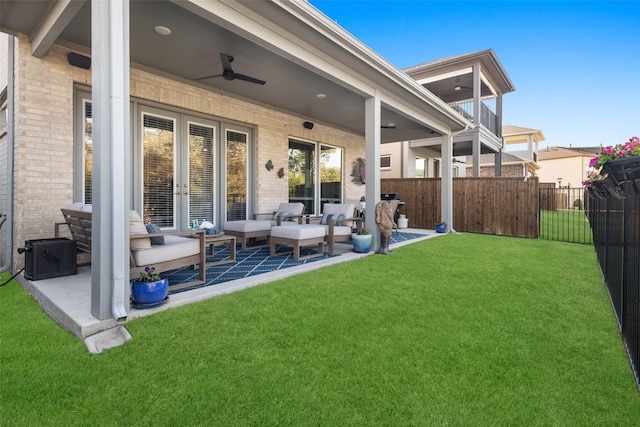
(183, 167)
(178, 172)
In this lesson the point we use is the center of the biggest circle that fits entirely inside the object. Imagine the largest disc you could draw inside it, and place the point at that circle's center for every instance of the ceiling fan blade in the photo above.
(249, 79)
(213, 76)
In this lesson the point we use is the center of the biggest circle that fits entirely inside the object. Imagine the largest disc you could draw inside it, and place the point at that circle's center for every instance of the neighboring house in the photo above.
(512, 166)
(522, 142)
(472, 84)
(125, 105)
(565, 167)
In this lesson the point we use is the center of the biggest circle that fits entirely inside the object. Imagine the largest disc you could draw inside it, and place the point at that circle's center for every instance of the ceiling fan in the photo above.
(458, 87)
(229, 74)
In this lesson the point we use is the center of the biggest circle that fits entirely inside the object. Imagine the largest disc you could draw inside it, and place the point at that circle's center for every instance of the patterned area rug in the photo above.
(251, 262)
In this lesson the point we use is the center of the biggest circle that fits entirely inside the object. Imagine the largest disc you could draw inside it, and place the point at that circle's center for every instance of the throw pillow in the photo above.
(282, 214)
(157, 240)
(136, 226)
(326, 218)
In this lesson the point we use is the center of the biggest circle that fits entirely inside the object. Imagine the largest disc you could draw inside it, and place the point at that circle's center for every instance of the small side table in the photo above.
(214, 240)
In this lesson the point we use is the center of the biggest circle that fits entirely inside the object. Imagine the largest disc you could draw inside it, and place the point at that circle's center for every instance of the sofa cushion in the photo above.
(298, 232)
(153, 229)
(137, 227)
(174, 247)
(342, 230)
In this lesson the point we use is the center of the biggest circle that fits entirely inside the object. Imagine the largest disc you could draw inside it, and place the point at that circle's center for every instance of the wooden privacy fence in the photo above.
(492, 205)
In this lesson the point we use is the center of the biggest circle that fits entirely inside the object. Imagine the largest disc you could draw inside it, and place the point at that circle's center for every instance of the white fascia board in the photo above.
(59, 16)
(448, 75)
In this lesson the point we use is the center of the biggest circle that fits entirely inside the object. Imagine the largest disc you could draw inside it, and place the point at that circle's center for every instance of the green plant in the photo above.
(441, 224)
(362, 199)
(149, 275)
(577, 204)
(363, 231)
(628, 149)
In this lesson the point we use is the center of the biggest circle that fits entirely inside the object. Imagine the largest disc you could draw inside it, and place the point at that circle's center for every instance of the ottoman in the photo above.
(297, 236)
(248, 229)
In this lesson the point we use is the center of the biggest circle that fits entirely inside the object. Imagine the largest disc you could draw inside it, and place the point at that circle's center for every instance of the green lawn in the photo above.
(565, 225)
(461, 330)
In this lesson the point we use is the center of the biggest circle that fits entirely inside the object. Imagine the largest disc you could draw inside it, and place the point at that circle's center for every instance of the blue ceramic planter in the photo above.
(149, 294)
(361, 242)
(441, 228)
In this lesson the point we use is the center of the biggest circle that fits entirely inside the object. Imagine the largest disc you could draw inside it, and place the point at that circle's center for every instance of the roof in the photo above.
(551, 153)
(518, 134)
(446, 68)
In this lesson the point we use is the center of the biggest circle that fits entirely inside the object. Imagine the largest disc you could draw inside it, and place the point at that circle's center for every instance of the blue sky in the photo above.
(575, 65)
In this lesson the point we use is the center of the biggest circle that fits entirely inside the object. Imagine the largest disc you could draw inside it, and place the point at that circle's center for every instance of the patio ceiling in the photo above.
(198, 36)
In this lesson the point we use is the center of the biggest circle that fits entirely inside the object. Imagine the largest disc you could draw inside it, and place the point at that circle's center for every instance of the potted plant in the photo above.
(362, 241)
(441, 227)
(149, 289)
(363, 203)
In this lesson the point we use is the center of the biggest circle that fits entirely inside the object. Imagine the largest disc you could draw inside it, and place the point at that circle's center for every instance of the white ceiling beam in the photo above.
(52, 25)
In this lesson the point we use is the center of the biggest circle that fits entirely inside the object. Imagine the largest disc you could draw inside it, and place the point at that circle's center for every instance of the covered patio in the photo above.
(128, 70)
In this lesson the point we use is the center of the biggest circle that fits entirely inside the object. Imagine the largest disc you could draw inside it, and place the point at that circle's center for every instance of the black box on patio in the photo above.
(48, 258)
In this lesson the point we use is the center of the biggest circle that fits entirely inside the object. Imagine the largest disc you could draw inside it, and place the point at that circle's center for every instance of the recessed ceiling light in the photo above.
(321, 96)
(163, 31)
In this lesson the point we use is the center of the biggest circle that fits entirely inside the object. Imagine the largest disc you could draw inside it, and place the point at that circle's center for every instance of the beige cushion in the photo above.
(298, 232)
(248, 226)
(137, 227)
(174, 247)
(338, 230)
(345, 209)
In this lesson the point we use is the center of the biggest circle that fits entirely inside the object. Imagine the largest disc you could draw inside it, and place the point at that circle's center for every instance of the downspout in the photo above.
(10, 136)
(450, 220)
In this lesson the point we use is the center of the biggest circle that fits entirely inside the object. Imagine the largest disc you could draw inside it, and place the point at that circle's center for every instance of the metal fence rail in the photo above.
(616, 233)
(562, 214)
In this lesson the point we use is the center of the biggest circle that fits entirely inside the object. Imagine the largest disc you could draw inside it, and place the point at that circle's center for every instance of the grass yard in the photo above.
(565, 225)
(461, 330)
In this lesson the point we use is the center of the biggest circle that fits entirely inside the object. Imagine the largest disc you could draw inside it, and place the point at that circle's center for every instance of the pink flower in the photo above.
(593, 161)
(607, 150)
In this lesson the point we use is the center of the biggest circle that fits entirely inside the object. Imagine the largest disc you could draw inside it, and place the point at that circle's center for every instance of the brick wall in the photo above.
(511, 171)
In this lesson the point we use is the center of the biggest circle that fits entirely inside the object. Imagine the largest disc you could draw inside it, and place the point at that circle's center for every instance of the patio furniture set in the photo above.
(168, 250)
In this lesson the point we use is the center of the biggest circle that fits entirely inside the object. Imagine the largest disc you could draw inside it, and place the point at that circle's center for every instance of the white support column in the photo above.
(475, 153)
(446, 181)
(111, 141)
(372, 154)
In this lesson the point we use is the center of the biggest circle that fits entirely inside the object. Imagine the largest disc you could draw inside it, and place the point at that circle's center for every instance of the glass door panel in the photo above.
(330, 174)
(236, 147)
(301, 175)
(158, 171)
(201, 172)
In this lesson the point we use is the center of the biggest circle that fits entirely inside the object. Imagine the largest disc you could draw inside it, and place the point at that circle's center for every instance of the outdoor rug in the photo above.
(251, 262)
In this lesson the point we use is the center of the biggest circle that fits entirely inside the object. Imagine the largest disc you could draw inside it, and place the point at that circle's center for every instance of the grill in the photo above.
(393, 197)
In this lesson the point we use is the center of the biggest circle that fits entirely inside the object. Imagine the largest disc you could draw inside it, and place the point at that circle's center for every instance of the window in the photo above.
(421, 167)
(304, 176)
(385, 162)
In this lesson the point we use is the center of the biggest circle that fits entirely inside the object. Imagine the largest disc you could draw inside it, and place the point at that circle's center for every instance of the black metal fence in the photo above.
(562, 214)
(616, 234)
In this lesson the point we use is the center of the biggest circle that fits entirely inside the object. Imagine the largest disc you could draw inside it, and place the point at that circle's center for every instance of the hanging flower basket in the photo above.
(625, 173)
(616, 171)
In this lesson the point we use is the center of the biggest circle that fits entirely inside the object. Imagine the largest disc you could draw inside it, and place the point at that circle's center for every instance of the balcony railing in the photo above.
(488, 118)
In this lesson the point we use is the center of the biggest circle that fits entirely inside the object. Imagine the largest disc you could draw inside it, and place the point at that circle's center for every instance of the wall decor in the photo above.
(269, 165)
(281, 173)
(358, 172)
